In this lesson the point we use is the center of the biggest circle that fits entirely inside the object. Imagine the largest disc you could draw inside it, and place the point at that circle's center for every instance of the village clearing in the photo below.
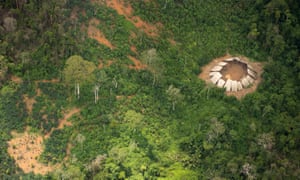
(234, 72)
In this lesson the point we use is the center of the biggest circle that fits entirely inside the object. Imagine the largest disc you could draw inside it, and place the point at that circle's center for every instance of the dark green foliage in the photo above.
(55, 147)
(133, 126)
(12, 116)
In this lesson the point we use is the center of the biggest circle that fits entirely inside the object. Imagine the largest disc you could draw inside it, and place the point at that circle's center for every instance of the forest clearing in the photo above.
(161, 89)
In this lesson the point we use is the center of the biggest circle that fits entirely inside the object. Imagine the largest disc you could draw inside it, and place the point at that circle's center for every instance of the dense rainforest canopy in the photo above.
(110, 90)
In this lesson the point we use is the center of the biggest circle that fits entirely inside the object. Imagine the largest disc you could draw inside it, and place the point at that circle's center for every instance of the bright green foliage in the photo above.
(70, 173)
(78, 70)
(161, 122)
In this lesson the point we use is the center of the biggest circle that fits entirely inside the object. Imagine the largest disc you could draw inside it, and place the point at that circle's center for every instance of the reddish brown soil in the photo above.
(133, 49)
(16, 79)
(95, 33)
(68, 151)
(29, 103)
(107, 64)
(123, 97)
(126, 10)
(234, 71)
(258, 67)
(64, 122)
(26, 148)
(75, 12)
(48, 81)
(172, 41)
(138, 65)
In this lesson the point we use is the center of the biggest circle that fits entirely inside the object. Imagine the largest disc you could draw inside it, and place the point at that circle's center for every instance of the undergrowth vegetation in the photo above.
(161, 121)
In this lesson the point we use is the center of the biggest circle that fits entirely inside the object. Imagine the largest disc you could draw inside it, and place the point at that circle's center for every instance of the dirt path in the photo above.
(26, 148)
(47, 81)
(95, 33)
(16, 79)
(63, 122)
(68, 151)
(133, 49)
(29, 102)
(258, 67)
(138, 65)
(107, 64)
(126, 10)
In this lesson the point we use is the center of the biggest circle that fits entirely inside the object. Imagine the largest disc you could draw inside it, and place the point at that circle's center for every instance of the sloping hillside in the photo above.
(110, 89)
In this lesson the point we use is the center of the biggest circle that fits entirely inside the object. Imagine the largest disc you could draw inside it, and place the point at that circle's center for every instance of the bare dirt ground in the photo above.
(16, 79)
(123, 97)
(26, 148)
(47, 81)
(107, 64)
(133, 49)
(68, 151)
(29, 103)
(234, 71)
(138, 65)
(258, 67)
(95, 33)
(172, 41)
(126, 10)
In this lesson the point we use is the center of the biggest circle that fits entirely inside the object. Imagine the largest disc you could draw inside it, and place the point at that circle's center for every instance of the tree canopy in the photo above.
(160, 121)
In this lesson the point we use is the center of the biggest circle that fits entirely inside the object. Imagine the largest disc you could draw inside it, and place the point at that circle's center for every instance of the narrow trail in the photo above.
(63, 122)
(138, 65)
(94, 33)
(29, 102)
(107, 64)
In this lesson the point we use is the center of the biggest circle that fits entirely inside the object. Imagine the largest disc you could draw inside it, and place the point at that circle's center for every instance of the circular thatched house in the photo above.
(233, 74)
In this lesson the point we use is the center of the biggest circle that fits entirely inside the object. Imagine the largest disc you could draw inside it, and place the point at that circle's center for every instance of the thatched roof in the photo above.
(245, 82)
(222, 63)
(228, 85)
(229, 59)
(214, 74)
(215, 78)
(234, 86)
(217, 68)
(251, 73)
(239, 86)
(250, 79)
(221, 83)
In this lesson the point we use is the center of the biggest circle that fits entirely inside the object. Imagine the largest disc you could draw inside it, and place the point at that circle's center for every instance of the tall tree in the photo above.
(100, 78)
(78, 71)
(174, 95)
(153, 62)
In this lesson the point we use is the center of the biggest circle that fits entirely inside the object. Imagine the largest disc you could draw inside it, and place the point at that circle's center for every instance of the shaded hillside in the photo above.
(129, 69)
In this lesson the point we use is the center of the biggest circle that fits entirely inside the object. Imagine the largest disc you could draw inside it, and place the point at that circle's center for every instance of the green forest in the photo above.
(109, 89)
